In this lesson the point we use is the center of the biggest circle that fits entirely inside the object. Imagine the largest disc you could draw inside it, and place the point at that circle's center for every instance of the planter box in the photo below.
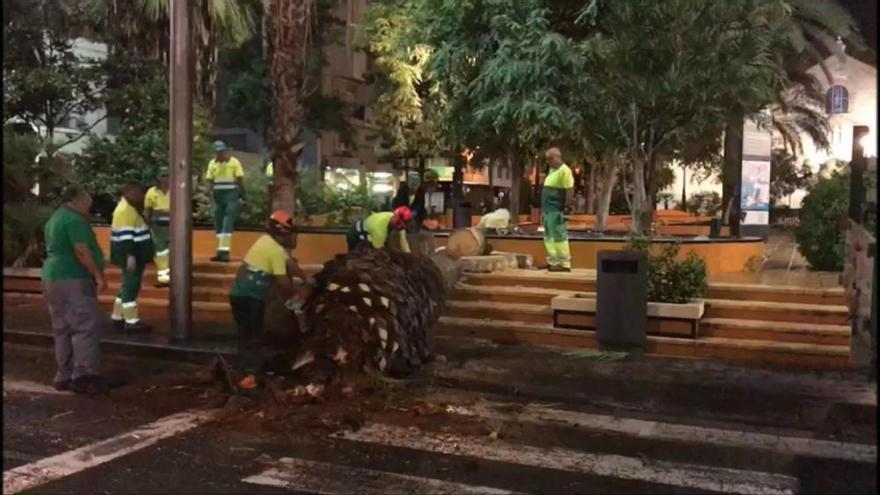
(578, 311)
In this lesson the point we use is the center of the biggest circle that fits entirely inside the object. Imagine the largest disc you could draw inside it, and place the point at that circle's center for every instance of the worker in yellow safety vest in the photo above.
(157, 212)
(226, 176)
(376, 230)
(557, 192)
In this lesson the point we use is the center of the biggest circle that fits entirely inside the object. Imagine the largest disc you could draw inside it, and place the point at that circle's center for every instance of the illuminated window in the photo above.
(837, 100)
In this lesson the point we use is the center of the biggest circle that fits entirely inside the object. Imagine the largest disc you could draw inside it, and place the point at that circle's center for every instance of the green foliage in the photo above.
(23, 242)
(141, 148)
(256, 209)
(19, 168)
(704, 204)
(45, 82)
(671, 280)
(342, 207)
(820, 235)
(786, 176)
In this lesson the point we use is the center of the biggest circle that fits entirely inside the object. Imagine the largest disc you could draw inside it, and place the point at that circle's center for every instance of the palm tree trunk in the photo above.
(290, 38)
(732, 172)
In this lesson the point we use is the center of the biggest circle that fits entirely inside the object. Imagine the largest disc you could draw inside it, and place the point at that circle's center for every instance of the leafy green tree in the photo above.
(45, 82)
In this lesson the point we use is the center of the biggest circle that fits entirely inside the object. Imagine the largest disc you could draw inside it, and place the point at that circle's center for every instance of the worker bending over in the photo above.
(558, 188)
(131, 248)
(157, 212)
(226, 176)
(376, 230)
(265, 265)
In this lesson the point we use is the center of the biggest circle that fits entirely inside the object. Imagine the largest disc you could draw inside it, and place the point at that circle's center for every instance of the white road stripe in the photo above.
(330, 479)
(30, 388)
(73, 461)
(655, 430)
(715, 479)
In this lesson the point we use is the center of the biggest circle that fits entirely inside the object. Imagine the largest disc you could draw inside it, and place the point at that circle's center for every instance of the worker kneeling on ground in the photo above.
(157, 211)
(131, 248)
(376, 230)
(264, 266)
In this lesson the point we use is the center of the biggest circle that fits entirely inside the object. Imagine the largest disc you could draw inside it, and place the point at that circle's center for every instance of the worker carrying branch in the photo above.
(157, 212)
(131, 249)
(377, 229)
(265, 266)
(226, 176)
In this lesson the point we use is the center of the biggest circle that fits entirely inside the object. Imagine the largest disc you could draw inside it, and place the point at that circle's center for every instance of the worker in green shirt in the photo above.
(73, 276)
(376, 230)
(157, 212)
(131, 249)
(557, 192)
(226, 176)
(266, 264)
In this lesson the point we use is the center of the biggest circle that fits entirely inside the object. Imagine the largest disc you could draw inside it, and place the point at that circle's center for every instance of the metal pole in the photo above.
(180, 153)
(858, 164)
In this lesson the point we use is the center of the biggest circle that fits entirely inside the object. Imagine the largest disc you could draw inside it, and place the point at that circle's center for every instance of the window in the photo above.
(837, 100)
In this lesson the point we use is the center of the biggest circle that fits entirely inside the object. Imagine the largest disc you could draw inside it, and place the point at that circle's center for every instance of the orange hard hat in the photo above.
(281, 220)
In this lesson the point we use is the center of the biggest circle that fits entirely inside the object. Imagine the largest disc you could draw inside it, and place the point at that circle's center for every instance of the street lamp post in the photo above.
(180, 155)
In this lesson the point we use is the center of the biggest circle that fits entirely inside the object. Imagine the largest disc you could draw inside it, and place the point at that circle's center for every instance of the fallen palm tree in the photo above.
(370, 312)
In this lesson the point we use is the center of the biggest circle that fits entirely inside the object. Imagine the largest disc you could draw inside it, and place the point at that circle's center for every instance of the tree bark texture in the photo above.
(290, 38)
(732, 173)
(606, 173)
(592, 191)
(516, 178)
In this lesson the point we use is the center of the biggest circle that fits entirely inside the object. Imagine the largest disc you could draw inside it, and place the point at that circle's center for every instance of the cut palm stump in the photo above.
(468, 242)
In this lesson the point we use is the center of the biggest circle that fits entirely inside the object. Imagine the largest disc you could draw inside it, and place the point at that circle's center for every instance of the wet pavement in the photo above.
(483, 418)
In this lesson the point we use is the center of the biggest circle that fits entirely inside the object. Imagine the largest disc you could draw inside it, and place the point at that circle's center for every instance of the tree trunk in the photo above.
(684, 172)
(457, 180)
(639, 196)
(289, 43)
(732, 172)
(591, 191)
(606, 180)
(516, 170)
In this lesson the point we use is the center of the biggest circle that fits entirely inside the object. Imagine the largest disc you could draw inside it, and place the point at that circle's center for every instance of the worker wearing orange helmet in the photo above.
(377, 229)
(266, 265)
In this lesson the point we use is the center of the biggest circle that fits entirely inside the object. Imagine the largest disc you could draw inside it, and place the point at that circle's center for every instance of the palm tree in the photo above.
(290, 40)
(140, 28)
(813, 28)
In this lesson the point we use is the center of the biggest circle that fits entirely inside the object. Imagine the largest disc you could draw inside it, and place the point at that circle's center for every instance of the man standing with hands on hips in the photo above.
(557, 192)
(226, 176)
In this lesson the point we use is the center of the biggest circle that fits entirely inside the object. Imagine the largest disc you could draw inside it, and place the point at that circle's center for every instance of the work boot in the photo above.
(558, 269)
(248, 386)
(161, 285)
(89, 385)
(62, 385)
(221, 258)
(139, 327)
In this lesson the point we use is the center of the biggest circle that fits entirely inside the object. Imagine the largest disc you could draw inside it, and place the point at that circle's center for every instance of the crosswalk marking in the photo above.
(56, 467)
(656, 430)
(715, 479)
(330, 479)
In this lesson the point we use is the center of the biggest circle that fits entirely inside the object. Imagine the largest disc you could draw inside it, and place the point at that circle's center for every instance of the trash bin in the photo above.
(621, 300)
(461, 215)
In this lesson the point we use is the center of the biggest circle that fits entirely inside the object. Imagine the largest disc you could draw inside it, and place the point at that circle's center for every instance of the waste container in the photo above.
(621, 300)
(461, 215)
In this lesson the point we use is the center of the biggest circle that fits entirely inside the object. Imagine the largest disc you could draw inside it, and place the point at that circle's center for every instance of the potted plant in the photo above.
(675, 291)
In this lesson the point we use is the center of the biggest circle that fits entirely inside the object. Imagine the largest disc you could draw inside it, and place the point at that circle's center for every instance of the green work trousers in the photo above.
(556, 239)
(227, 206)
(125, 306)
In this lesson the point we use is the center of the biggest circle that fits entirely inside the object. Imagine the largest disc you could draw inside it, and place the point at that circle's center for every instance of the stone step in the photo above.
(775, 331)
(531, 313)
(777, 312)
(789, 354)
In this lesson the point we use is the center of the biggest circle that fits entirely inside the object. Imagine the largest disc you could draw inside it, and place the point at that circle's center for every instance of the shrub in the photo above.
(342, 206)
(671, 280)
(820, 235)
(23, 241)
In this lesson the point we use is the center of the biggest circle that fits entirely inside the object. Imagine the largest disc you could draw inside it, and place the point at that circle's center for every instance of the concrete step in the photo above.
(502, 294)
(530, 313)
(789, 354)
(777, 312)
(776, 331)
(584, 281)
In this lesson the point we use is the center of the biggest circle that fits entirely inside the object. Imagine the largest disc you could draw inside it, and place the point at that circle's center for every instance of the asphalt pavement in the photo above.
(484, 418)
